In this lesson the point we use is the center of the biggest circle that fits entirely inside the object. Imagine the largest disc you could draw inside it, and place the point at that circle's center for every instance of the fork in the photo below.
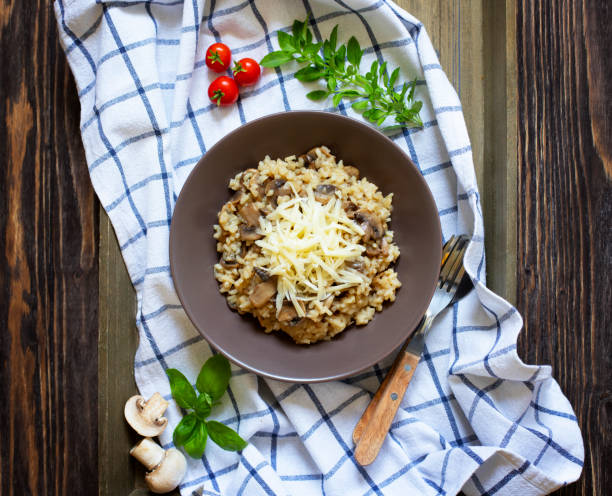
(373, 426)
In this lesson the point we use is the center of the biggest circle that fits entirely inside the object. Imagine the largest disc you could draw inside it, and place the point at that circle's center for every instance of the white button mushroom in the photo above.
(166, 469)
(145, 417)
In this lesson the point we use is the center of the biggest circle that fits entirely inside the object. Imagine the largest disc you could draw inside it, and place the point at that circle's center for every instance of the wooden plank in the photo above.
(498, 172)
(119, 474)
(48, 266)
(117, 342)
(475, 40)
(564, 228)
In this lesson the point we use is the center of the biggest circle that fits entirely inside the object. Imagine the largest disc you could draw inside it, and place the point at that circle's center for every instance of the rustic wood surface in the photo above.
(117, 341)
(564, 227)
(476, 42)
(48, 267)
(545, 62)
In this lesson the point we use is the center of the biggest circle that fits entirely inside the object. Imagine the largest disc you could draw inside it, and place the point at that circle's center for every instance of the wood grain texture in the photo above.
(48, 267)
(477, 49)
(370, 437)
(117, 341)
(564, 232)
(119, 474)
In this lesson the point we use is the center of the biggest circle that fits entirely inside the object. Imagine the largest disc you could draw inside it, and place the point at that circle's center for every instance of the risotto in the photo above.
(305, 247)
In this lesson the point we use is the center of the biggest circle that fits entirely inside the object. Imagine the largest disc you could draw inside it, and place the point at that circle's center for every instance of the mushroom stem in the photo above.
(148, 452)
(154, 408)
(165, 469)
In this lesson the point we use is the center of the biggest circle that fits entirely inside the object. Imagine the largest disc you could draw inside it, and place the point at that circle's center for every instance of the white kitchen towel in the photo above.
(474, 418)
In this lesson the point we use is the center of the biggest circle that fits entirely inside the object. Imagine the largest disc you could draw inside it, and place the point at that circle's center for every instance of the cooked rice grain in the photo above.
(236, 271)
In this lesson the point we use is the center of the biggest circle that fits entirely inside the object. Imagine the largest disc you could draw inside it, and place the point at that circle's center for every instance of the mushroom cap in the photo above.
(168, 474)
(136, 415)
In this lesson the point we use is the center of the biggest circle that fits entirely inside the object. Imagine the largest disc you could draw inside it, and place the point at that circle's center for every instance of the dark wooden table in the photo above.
(50, 230)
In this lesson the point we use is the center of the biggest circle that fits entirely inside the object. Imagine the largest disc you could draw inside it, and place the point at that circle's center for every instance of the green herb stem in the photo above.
(339, 66)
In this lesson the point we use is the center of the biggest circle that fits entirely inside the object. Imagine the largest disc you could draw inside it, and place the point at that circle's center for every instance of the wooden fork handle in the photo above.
(400, 361)
(369, 411)
(371, 430)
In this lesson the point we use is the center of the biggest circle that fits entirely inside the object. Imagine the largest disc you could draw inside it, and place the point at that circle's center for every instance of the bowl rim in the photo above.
(254, 369)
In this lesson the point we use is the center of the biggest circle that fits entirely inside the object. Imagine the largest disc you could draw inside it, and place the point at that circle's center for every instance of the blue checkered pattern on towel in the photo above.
(475, 417)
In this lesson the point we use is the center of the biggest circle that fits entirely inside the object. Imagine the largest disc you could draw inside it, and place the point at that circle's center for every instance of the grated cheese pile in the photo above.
(307, 244)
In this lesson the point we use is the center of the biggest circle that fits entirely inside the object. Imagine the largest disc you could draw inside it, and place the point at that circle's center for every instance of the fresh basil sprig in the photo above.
(339, 66)
(193, 430)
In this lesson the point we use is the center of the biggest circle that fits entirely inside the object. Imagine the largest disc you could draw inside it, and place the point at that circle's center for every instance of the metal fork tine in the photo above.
(451, 261)
(448, 242)
(453, 275)
(459, 276)
(450, 269)
(448, 248)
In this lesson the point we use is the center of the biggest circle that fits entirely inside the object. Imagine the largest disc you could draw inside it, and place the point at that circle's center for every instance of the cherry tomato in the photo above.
(223, 91)
(218, 57)
(246, 72)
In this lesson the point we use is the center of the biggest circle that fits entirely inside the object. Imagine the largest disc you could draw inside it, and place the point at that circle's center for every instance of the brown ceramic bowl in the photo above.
(193, 253)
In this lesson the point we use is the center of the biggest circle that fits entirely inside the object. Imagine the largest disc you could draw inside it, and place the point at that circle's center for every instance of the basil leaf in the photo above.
(214, 376)
(394, 76)
(317, 95)
(274, 59)
(382, 70)
(312, 49)
(182, 390)
(340, 57)
(296, 29)
(203, 405)
(412, 88)
(327, 50)
(333, 37)
(353, 52)
(196, 444)
(375, 114)
(331, 84)
(308, 37)
(184, 429)
(350, 93)
(225, 437)
(374, 74)
(391, 128)
(363, 82)
(337, 99)
(363, 104)
(308, 74)
(305, 30)
(403, 93)
(285, 41)
(318, 60)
